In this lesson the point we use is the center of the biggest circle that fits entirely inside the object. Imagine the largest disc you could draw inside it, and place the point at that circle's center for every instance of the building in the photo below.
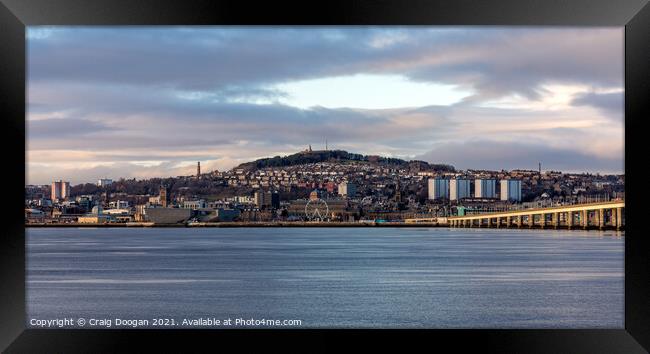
(195, 204)
(164, 196)
(119, 215)
(104, 182)
(154, 200)
(85, 202)
(96, 216)
(260, 199)
(347, 189)
(315, 194)
(268, 199)
(511, 189)
(438, 188)
(167, 215)
(485, 188)
(227, 214)
(459, 189)
(119, 204)
(60, 190)
(198, 169)
(275, 199)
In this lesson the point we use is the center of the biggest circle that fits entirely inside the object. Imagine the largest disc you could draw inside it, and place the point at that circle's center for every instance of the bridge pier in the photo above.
(555, 220)
(601, 218)
(584, 218)
(619, 218)
(569, 219)
(531, 221)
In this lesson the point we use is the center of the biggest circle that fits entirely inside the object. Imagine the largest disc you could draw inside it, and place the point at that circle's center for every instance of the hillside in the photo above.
(306, 157)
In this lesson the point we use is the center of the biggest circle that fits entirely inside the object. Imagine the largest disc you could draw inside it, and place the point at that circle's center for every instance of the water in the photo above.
(330, 277)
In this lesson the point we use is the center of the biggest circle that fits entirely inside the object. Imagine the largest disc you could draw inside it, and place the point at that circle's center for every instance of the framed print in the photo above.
(449, 172)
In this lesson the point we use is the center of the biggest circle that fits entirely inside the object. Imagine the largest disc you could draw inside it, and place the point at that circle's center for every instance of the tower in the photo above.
(398, 193)
(164, 196)
(198, 169)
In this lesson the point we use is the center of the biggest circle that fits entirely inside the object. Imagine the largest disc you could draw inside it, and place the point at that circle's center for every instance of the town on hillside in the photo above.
(323, 185)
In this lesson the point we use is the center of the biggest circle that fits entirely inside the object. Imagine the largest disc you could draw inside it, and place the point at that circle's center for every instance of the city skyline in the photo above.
(150, 102)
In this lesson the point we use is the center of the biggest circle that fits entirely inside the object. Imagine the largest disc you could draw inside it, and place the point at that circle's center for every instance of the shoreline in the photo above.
(297, 224)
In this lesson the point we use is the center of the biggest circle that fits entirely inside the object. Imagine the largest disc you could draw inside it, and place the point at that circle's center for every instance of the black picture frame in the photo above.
(16, 14)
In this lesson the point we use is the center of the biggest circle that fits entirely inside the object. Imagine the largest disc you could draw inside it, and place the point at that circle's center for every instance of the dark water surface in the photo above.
(330, 277)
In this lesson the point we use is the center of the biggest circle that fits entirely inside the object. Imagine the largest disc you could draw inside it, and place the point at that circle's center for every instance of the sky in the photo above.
(142, 102)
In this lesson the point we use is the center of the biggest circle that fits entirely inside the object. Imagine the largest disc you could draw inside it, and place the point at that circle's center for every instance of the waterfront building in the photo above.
(195, 204)
(60, 190)
(438, 188)
(167, 215)
(227, 214)
(96, 216)
(347, 189)
(459, 189)
(485, 188)
(511, 189)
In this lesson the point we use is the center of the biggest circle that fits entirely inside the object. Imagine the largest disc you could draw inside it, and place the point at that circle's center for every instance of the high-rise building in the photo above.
(347, 189)
(164, 196)
(485, 188)
(60, 190)
(511, 189)
(438, 188)
(269, 199)
(274, 197)
(260, 199)
(458, 189)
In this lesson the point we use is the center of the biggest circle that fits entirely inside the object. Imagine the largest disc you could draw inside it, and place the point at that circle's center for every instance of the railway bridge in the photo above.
(599, 215)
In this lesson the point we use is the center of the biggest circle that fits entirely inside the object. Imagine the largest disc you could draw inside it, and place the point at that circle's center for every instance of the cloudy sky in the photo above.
(111, 102)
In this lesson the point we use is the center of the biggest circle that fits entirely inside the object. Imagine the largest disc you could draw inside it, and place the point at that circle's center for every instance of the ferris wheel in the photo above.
(317, 210)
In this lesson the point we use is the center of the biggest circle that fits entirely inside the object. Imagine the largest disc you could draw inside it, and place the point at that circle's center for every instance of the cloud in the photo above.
(65, 128)
(136, 102)
(495, 155)
(611, 103)
(492, 61)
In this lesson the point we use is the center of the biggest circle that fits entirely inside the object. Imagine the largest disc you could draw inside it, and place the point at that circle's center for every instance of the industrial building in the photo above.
(459, 189)
(511, 190)
(485, 188)
(438, 188)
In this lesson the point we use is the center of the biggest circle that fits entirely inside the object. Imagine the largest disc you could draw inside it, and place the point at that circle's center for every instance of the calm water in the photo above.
(330, 277)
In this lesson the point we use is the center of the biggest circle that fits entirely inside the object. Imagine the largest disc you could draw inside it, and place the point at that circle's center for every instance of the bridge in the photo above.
(600, 215)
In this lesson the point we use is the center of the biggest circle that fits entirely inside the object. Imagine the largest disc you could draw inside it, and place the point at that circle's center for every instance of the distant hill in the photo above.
(306, 157)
